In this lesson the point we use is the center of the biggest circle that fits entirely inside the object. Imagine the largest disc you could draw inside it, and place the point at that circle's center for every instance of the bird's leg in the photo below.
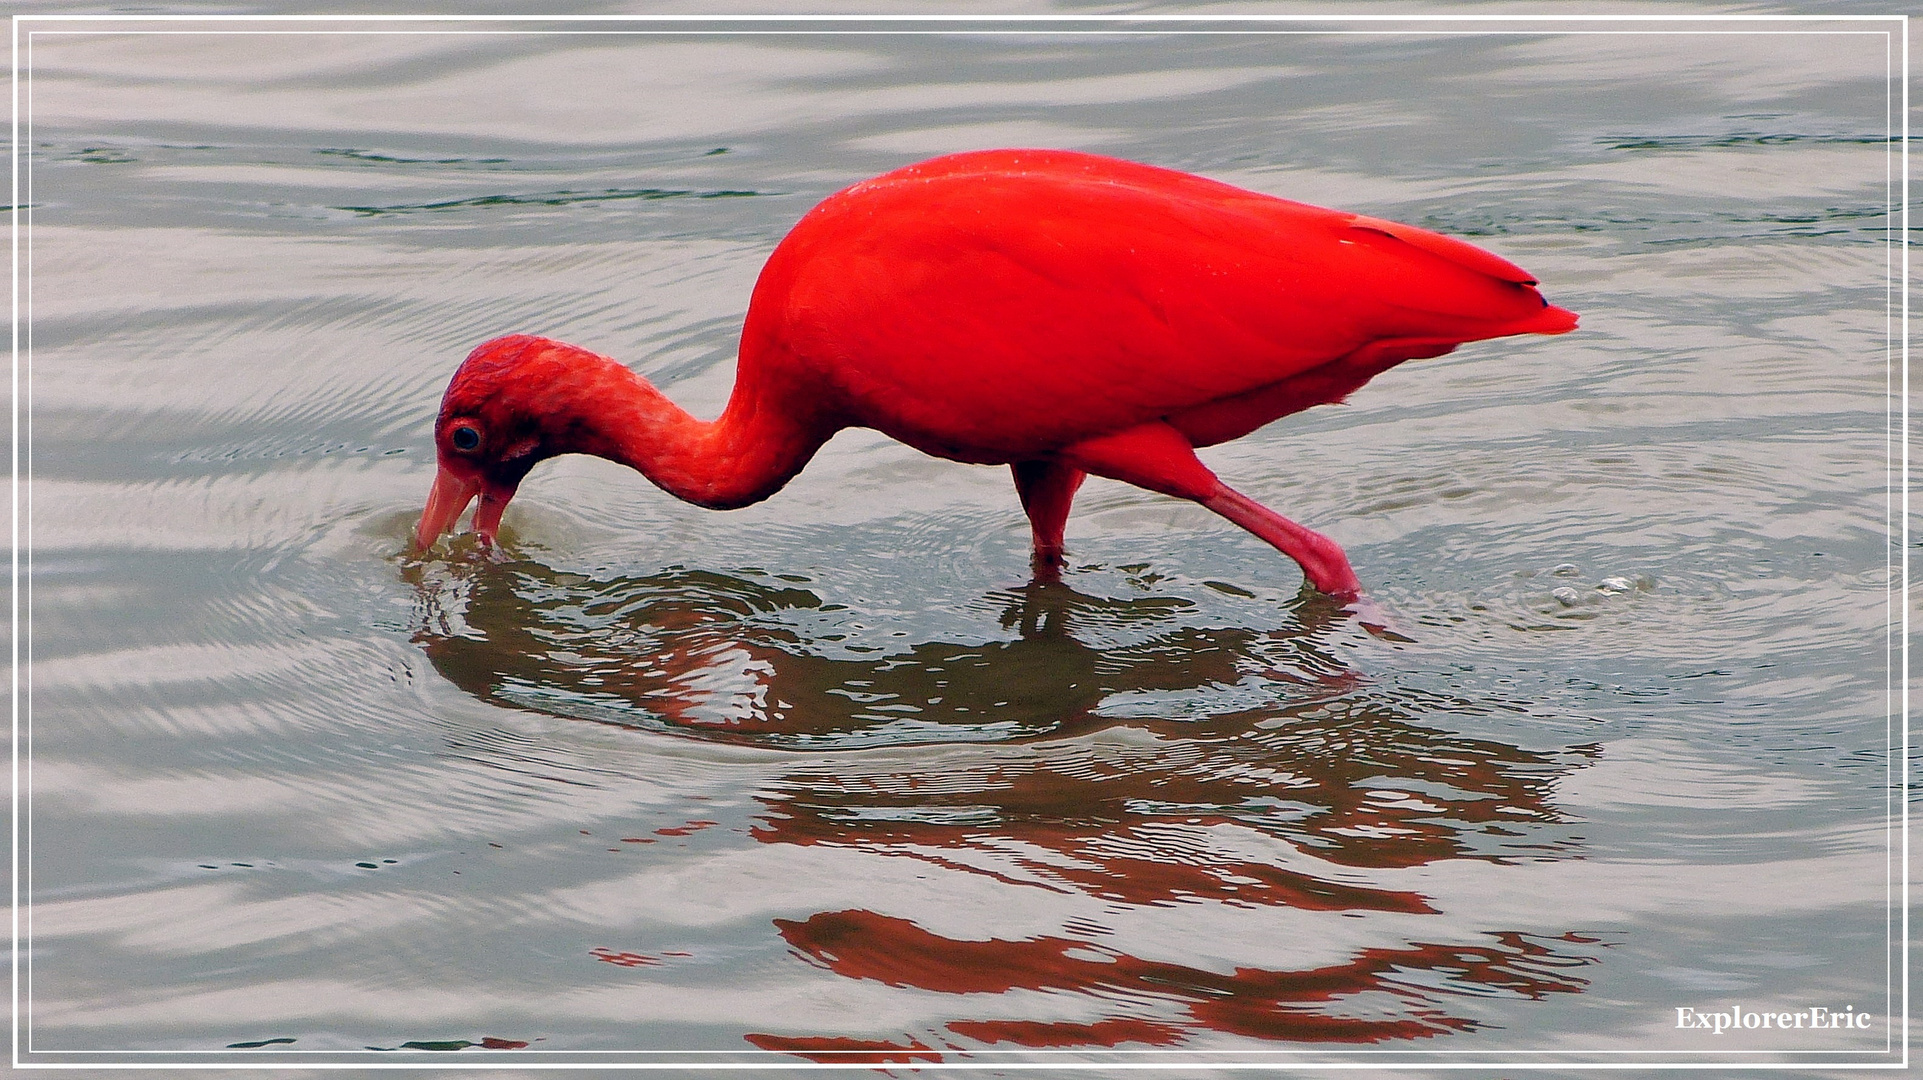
(1321, 558)
(1157, 457)
(1047, 489)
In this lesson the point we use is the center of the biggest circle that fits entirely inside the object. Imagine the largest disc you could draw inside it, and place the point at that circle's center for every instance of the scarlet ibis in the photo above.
(1055, 312)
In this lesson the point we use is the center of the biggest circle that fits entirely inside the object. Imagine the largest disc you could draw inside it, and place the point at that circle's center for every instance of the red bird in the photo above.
(1056, 312)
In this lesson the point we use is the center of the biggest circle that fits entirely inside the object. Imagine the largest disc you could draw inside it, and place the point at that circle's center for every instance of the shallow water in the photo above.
(828, 778)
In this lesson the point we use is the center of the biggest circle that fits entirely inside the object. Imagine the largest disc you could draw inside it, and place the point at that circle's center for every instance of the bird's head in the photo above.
(505, 410)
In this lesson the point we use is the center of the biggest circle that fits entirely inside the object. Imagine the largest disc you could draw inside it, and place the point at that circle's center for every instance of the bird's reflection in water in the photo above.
(1173, 765)
(756, 660)
(1298, 1006)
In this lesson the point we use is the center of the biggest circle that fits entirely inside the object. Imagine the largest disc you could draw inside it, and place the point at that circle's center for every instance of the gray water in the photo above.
(828, 778)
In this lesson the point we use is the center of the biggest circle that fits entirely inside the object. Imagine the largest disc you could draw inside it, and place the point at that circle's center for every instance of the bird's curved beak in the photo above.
(451, 494)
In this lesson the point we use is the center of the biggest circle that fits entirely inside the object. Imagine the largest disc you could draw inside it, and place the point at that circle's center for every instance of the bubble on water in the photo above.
(1615, 585)
(1566, 596)
(1567, 569)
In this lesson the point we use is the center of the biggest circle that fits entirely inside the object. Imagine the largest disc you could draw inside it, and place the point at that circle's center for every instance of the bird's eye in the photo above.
(465, 438)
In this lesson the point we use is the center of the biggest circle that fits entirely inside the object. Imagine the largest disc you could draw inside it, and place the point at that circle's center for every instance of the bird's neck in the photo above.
(760, 441)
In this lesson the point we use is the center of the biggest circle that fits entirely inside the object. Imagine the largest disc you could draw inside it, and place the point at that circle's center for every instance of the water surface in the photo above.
(829, 778)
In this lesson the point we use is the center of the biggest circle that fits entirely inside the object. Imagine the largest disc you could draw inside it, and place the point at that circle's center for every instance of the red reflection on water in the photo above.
(1251, 809)
(1291, 802)
(623, 959)
(686, 650)
(833, 1050)
(689, 829)
(1252, 1002)
(1035, 1033)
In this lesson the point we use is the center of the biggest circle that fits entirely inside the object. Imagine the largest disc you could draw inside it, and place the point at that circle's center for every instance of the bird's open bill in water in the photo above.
(1055, 312)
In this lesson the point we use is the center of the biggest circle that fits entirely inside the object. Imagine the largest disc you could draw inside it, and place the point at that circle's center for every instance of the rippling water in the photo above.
(827, 778)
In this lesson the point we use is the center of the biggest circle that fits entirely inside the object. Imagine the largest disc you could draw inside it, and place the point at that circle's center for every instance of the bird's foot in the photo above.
(1375, 618)
(1046, 565)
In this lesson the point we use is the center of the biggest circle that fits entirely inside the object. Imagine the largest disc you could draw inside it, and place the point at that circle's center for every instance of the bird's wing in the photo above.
(1022, 298)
